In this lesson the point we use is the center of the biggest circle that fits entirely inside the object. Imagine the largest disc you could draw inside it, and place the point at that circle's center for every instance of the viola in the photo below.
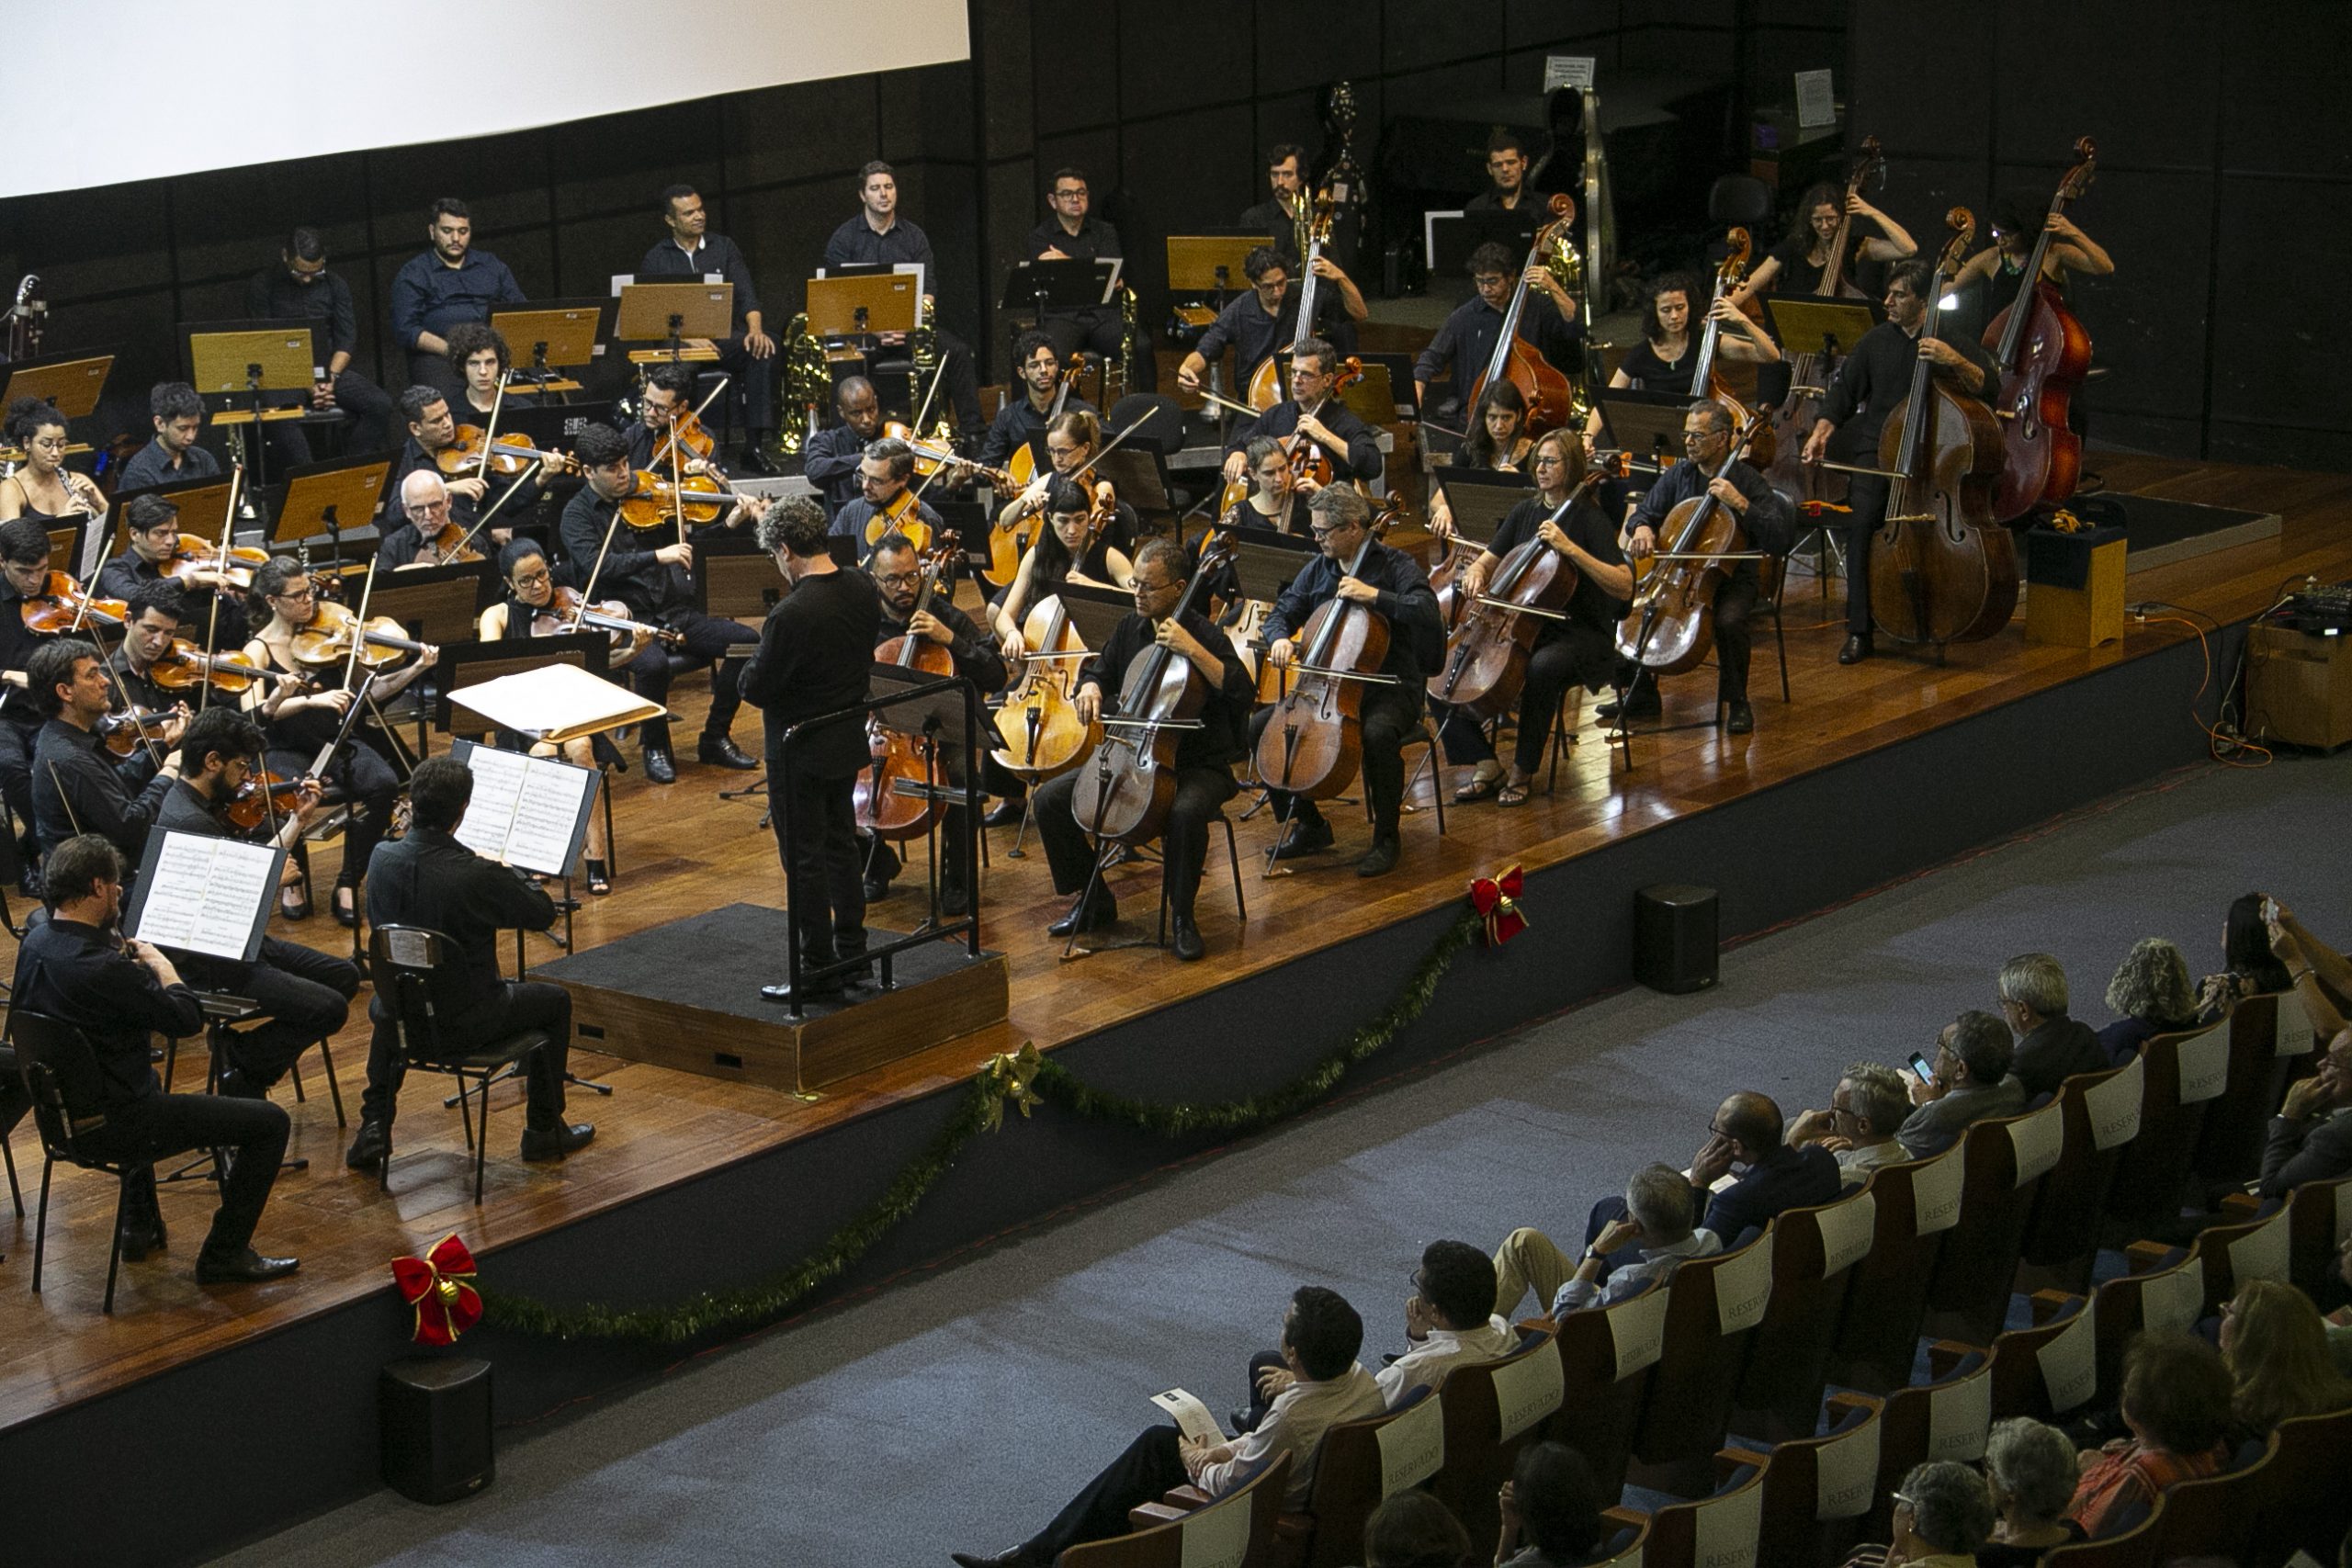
(566, 610)
(901, 515)
(1038, 723)
(1485, 657)
(655, 502)
(1007, 542)
(2043, 354)
(61, 608)
(1942, 567)
(185, 665)
(261, 798)
(930, 456)
(882, 808)
(1671, 625)
(1313, 743)
(1515, 359)
(685, 438)
(124, 733)
(505, 457)
(1266, 381)
(194, 554)
(446, 546)
(1811, 372)
(334, 630)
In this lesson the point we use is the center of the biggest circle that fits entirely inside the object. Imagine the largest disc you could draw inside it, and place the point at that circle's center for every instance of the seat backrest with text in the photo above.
(1948, 1417)
(1360, 1463)
(1714, 1308)
(2182, 1073)
(2006, 1159)
(1608, 1356)
(1814, 1253)
(2258, 1248)
(2050, 1368)
(2165, 1290)
(1235, 1531)
(2101, 1114)
(1820, 1487)
(1721, 1531)
(2271, 1035)
(2310, 1507)
(1916, 1205)
(1492, 1409)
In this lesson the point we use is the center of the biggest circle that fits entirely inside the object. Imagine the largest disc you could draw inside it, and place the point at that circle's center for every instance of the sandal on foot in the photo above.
(1482, 786)
(1514, 792)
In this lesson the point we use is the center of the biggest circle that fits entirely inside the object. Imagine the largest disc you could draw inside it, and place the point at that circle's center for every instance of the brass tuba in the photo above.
(806, 382)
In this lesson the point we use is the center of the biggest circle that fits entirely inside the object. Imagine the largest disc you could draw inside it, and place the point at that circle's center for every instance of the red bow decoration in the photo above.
(1497, 901)
(435, 1285)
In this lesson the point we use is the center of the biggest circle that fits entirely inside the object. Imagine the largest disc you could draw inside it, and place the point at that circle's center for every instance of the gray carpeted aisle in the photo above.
(959, 1409)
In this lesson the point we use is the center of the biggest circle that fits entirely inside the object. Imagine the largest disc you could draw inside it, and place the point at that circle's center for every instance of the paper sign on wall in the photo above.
(1816, 103)
(1567, 70)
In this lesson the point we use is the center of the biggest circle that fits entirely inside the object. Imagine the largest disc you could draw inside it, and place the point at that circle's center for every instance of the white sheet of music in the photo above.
(555, 700)
(203, 894)
(525, 810)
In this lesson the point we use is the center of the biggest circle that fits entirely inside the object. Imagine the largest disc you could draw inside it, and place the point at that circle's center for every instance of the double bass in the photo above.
(1516, 360)
(1811, 371)
(1672, 627)
(882, 808)
(1706, 381)
(1266, 381)
(2043, 354)
(1942, 567)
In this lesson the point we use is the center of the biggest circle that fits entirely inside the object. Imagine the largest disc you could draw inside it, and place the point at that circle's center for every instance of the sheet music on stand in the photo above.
(555, 701)
(202, 895)
(527, 812)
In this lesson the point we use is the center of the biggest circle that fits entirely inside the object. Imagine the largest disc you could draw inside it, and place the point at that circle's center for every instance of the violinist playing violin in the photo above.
(1875, 378)
(1072, 440)
(1465, 344)
(831, 458)
(24, 573)
(530, 592)
(1356, 566)
(432, 535)
(300, 724)
(661, 405)
(1767, 520)
(433, 428)
(1580, 648)
(650, 572)
(1204, 757)
(882, 475)
(305, 994)
(153, 617)
(151, 527)
(77, 786)
(1312, 413)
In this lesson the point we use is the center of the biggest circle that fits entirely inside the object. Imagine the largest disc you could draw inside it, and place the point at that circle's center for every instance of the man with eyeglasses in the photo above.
(1021, 421)
(424, 502)
(1205, 756)
(1865, 1108)
(300, 288)
(1356, 566)
(1507, 167)
(1766, 522)
(1311, 413)
(1970, 1080)
(1464, 344)
(1262, 323)
(1874, 378)
(1070, 233)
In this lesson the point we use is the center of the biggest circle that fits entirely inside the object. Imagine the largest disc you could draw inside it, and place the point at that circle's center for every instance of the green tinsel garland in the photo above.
(751, 1306)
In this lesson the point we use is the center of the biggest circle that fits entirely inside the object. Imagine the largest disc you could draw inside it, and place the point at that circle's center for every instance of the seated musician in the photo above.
(305, 994)
(431, 430)
(152, 616)
(1071, 442)
(1465, 345)
(426, 503)
(1767, 523)
(1263, 322)
(299, 724)
(23, 572)
(1796, 263)
(177, 414)
(152, 530)
(1283, 213)
(78, 787)
(661, 402)
(882, 475)
(1070, 233)
(1874, 378)
(529, 591)
(831, 458)
(429, 879)
(44, 489)
(747, 353)
(1580, 648)
(1667, 357)
(877, 236)
(897, 570)
(1494, 438)
(1507, 170)
(1358, 567)
(477, 353)
(1278, 494)
(1204, 757)
(450, 282)
(74, 967)
(613, 560)
(816, 657)
(1312, 413)
(2018, 222)
(300, 288)
(1021, 421)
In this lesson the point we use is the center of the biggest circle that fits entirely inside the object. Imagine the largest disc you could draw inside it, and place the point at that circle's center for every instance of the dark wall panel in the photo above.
(1416, 33)
(2281, 359)
(2143, 67)
(2271, 77)
(1946, 109)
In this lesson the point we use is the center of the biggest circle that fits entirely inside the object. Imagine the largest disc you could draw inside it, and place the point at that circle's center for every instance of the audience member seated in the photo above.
(1972, 1080)
(1657, 1220)
(1413, 1529)
(2051, 1047)
(2253, 969)
(2149, 995)
(2276, 1344)
(2177, 1404)
(1551, 1509)
(2310, 1138)
(1321, 1335)
(1943, 1515)
(1447, 1322)
(1866, 1109)
(2317, 974)
(2339, 1322)
(2030, 1470)
(1746, 1134)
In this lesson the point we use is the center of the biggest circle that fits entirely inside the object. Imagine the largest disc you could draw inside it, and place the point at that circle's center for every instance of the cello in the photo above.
(1266, 381)
(882, 808)
(2043, 354)
(1313, 742)
(1672, 627)
(1811, 372)
(1515, 359)
(1038, 723)
(1706, 381)
(1942, 567)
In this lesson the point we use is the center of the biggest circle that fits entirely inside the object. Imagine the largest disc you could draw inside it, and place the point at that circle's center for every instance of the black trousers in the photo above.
(369, 408)
(708, 638)
(521, 1005)
(1149, 1466)
(1100, 331)
(16, 742)
(368, 785)
(752, 383)
(960, 382)
(1184, 842)
(1736, 601)
(824, 884)
(305, 994)
(1866, 496)
(1551, 669)
(156, 1125)
(1388, 716)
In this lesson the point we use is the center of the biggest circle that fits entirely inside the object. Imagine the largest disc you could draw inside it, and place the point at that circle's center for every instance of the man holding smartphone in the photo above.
(1968, 1080)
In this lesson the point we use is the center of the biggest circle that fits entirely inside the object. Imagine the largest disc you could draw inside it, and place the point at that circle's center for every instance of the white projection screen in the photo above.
(184, 91)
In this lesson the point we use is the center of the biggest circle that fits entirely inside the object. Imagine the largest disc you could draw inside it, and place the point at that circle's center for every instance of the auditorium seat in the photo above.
(1718, 1530)
(2229, 1145)
(2214, 1517)
(2321, 1217)
(1351, 1479)
(1608, 1356)
(2101, 1112)
(1168, 1535)
(2135, 1548)
(1814, 1253)
(1624, 1541)
(2005, 1159)
(2045, 1367)
(1917, 1202)
(1714, 1306)
(2166, 1289)
(2253, 1242)
(1490, 1410)
(2181, 1072)
(2308, 1508)
(1946, 1419)
(1819, 1487)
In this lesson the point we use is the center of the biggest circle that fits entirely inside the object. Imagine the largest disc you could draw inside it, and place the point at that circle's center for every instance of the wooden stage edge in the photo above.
(699, 1184)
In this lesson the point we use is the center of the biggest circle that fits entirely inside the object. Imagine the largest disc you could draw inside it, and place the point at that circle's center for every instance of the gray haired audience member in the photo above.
(2030, 1470)
(1972, 1081)
(1657, 1220)
(1866, 1110)
(2051, 1047)
(1943, 1515)
(2149, 995)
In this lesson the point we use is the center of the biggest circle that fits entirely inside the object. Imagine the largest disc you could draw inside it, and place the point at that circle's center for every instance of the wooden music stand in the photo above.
(686, 316)
(1807, 324)
(65, 546)
(436, 604)
(734, 578)
(1195, 262)
(1372, 397)
(559, 336)
(889, 298)
(247, 362)
(203, 503)
(69, 384)
(330, 497)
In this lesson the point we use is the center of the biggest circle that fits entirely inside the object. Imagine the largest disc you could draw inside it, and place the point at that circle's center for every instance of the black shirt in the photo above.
(152, 465)
(831, 458)
(1491, 200)
(17, 644)
(429, 296)
(1271, 215)
(141, 691)
(856, 243)
(1591, 608)
(1019, 424)
(431, 880)
(1255, 335)
(98, 790)
(413, 457)
(978, 658)
(1095, 240)
(633, 573)
(816, 657)
(1466, 342)
(187, 809)
(1643, 367)
(272, 295)
(1416, 636)
(128, 572)
(1877, 376)
(1770, 523)
(1363, 460)
(77, 974)
(1221, 738)
(719, 254)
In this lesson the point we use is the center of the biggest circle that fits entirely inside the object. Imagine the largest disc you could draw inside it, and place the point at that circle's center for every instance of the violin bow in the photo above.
(490, 436)
(588, 593)
(505, 496)
(220, 557)
(123, 692)
(359, 629)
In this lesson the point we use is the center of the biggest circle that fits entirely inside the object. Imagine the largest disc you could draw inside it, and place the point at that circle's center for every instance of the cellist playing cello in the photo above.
(1312, 414)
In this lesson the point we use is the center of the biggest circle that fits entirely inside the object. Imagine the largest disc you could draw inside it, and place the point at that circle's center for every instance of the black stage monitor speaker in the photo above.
(434, 1415)
(1674, 937)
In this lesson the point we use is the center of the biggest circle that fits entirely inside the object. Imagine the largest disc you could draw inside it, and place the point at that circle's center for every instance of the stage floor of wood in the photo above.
(683, 850)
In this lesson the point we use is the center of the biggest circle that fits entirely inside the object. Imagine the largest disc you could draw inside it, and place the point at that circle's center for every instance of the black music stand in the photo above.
(734, 578)
(934, 717)
(552, 425)
(1140, 476)
(1827, 330)
(1264, 562)
(1645, 427)
(1448, 238)
(1044, 288)
(327, 498)
(1481, 499)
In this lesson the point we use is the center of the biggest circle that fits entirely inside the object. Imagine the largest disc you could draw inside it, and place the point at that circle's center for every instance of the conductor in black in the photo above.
(816, 657)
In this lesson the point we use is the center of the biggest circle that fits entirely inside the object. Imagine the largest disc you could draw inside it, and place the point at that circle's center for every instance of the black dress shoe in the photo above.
(1381, 859)
(140, 1237)
(1743, 719)
(554, 1143)
(1305, 837)
(876, 889)
(1857, 649)
(1644, 704)
(600, 878)
(720, 751)
(1098, 913)
(242, 1267)
(955, 898)
(658, 769)
(300, 909)
(1006, 813)
(369, 1147)
(752, 459)
(1187, 938)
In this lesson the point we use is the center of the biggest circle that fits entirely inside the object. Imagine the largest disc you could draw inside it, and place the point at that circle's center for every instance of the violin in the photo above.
(1671, 627)
(261, 797)
(566, 610)
(194, 554)
(1706, 378)
(657, 504)
(333, 629)
(1515, 359)
(1126, 789)
(2043, 354)
(686, 439)
(930, 457)
(1007, 542)
(882, 808)
(61, 608)
(1313, 742)
(1811, 372)
(506, 456)
(899, 515)
(1039, 724)
(447, 545)
(124, 733)
(185, 665)
(1942, 567)
(1485, 657)
(1266, 381)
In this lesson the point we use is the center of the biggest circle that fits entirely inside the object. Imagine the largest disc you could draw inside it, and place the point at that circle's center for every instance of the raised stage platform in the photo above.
(235, 1411)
